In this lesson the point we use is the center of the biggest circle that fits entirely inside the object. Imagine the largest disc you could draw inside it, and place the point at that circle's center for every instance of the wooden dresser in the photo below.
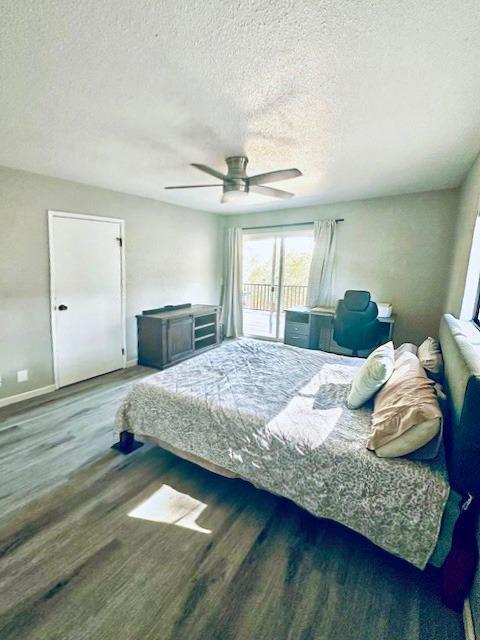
(171, 334)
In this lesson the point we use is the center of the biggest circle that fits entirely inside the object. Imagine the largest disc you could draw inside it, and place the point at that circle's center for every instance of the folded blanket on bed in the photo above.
(277, 416)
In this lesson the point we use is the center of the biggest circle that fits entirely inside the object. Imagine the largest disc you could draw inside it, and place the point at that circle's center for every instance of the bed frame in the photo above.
(460, 342)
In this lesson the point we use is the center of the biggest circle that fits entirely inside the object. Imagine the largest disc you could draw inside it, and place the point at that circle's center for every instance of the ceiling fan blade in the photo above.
(194, 186)
(212, 172)
(268, 191)
(275, 176)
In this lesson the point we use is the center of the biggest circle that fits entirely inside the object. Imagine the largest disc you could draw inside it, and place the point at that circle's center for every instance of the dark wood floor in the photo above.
(74, 565)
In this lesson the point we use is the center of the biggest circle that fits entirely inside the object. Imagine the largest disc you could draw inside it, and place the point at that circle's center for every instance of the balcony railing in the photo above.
(263, 297)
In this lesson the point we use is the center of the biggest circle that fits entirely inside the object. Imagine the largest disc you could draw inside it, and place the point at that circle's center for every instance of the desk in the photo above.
(313, 329)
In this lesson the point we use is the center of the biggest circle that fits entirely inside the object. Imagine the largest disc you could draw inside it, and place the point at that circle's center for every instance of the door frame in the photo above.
(281, 292)
(52, 214)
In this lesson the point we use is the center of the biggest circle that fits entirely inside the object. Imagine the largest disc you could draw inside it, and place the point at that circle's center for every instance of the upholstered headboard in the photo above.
(460, 342)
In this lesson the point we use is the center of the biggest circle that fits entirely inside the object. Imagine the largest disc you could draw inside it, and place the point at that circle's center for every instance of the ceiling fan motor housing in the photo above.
(236, 175)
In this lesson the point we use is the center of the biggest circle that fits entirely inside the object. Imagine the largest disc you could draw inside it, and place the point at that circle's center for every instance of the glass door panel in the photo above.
(297, 256)
(275, 276)
(260, 286)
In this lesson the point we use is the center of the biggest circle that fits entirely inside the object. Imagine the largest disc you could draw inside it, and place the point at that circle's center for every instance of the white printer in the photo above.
(384, 309)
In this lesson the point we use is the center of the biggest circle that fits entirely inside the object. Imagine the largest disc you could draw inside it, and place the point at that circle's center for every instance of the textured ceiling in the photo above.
(365, 97)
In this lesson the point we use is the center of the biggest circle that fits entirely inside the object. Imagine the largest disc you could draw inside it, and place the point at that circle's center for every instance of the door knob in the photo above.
(62, 307)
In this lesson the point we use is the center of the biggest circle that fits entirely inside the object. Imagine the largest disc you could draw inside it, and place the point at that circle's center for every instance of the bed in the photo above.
(275, 415)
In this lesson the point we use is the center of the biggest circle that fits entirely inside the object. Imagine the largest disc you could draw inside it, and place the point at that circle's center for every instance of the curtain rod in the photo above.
(293, 224)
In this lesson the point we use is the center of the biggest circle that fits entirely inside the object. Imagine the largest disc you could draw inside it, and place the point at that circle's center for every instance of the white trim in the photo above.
(132, 363)
(26, 395)
(84, 216)
(468, 621)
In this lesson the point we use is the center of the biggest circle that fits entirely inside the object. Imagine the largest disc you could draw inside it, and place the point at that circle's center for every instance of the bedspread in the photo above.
(276, 415)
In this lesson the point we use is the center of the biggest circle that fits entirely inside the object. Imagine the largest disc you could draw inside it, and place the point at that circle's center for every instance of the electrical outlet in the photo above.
(22, 376)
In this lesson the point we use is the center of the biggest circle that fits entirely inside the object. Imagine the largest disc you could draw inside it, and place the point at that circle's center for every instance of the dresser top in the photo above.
(194, 310)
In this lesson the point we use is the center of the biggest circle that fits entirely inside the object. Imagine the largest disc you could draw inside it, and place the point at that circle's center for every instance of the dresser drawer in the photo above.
(297, 328)
(297, 340)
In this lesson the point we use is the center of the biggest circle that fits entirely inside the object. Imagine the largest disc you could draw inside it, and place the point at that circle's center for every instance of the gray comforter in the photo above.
(276, 416)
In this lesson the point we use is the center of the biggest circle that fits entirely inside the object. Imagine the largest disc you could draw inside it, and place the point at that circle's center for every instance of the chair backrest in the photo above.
(356, 326)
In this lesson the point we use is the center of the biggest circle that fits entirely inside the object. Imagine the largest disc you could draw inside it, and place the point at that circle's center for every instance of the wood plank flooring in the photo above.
(75, 566)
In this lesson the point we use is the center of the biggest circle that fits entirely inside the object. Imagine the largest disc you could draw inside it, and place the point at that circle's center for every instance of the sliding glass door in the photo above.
(260, 285)
(275, 276)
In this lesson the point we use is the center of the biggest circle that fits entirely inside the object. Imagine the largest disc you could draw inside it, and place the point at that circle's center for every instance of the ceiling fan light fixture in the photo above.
(234, 195)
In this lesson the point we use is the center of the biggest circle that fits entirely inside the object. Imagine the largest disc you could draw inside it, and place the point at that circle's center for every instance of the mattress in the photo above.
(276, 416)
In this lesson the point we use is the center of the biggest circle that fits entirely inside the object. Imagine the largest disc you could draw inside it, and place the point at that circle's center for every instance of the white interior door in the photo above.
(87, 300)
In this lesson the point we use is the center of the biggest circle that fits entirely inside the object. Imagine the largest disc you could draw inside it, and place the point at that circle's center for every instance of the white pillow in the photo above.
(372, 376)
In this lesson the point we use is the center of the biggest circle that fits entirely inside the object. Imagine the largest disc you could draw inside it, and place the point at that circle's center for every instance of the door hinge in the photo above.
(120, 241)
(123, 352)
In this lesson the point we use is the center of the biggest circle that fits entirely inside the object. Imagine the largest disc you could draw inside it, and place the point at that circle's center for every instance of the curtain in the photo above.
(321, 279)
(232, 284)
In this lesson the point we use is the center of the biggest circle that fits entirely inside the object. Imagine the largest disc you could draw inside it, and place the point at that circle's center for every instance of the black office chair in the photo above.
(356, 326)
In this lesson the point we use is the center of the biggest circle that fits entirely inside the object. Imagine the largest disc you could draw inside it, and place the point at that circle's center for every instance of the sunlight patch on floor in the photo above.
(171, 507)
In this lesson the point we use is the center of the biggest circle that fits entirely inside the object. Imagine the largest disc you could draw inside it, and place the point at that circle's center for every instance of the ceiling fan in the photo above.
(236, 184)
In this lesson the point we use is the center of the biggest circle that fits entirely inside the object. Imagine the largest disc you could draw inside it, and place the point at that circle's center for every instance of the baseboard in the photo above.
(27, 395)
(131, 363)
(468, 621)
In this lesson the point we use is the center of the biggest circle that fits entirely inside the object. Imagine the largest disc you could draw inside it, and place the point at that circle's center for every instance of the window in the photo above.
(471, 297)
(476, 316)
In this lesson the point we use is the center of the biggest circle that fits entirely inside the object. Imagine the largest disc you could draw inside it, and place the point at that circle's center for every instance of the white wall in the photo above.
(171, 257)
(399, 248)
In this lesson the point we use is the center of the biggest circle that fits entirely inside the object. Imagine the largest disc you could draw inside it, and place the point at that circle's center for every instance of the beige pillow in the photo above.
(430, 356)
(406, 346)
(376, 370)
(430, 450)
(413, 439)
(407, 400)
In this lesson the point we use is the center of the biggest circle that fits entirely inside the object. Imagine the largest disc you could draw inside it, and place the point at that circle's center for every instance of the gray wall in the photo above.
(469, 205)
(399, 248)
(171, 257)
